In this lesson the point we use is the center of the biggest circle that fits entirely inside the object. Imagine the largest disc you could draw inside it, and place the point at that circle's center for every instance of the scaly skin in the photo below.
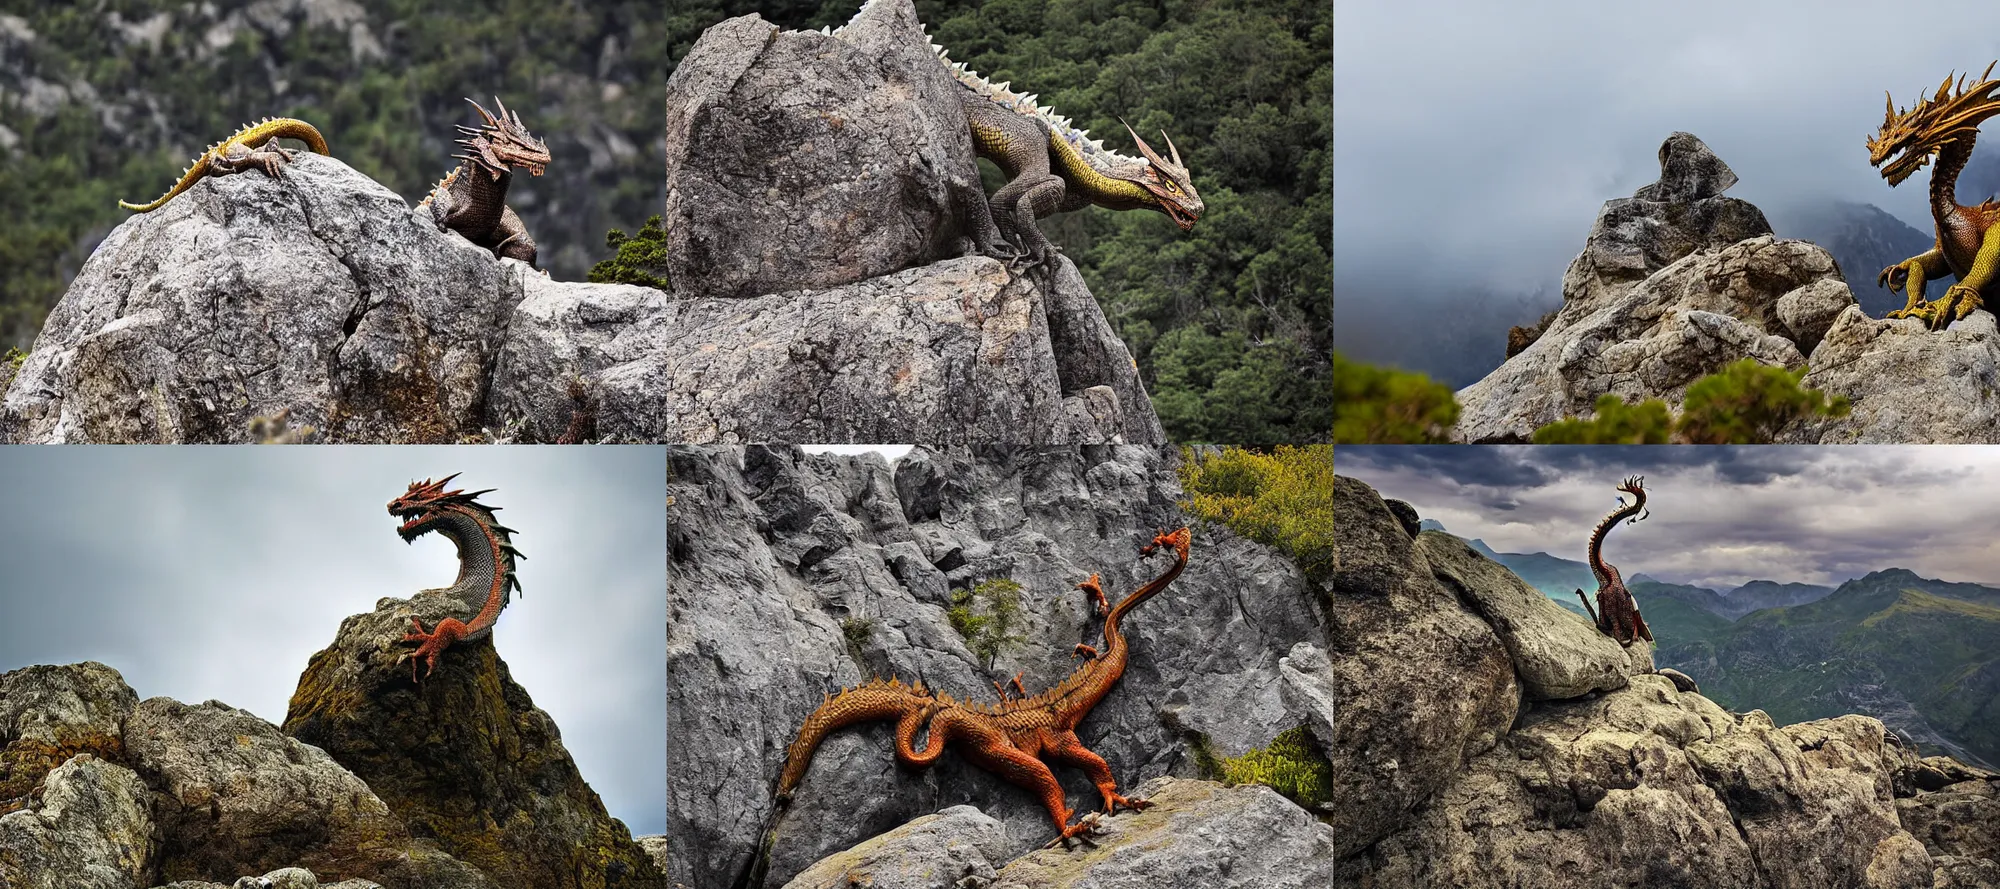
(251, 146)
(1053, 166)
(1009, 739)
(472, 198)
(486, 556)
(1968, 241)
(1617, 615)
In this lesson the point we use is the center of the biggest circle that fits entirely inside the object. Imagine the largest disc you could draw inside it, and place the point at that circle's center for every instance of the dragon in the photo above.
(1054, 166)
(1007, 739)
(1968, 242)
(1617, 615)
(471, 199)
(253, 146)
(486, 557)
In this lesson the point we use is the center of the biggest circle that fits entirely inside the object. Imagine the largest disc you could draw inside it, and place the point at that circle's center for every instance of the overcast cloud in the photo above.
(1720, 516)
(216, 572)
(1474, 142)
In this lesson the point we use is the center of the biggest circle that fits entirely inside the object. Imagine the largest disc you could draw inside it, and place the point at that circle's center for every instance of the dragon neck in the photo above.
(485, 565)
(482, 179)
(1097, 180)
(1074, 697)
(1944, 179)
(1605, 573)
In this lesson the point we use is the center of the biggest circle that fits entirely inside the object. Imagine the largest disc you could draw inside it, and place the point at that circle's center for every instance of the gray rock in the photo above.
(320, 293)
(1688, 172)
(1907, 384)
(801, 160)
(236, 796)
(1681, 681)
(782, 586)
(958, 351)
(1684, 321)
(816, 190)
(1651, 786)
(1556, 655)
(51, 713)
(938, 851)
(1198, 833)
(1681, 214)
(91, 829)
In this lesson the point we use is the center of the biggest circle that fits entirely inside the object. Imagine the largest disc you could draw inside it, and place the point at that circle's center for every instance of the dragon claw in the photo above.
(1084, 828)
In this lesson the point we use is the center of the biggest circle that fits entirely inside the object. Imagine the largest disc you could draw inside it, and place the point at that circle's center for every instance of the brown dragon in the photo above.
(1617, 615)
(253, 146)
(486, 557)
(1054, 166)
(1010, 738)
(1968, 242)
(472, 198)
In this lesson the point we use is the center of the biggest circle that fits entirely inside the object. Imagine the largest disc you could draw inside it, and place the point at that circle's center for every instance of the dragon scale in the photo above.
(1054, 166)
(1009, 738)
(486, 557)
(1617, 614)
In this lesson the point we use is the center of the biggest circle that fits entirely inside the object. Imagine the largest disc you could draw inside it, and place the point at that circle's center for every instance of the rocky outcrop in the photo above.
(1197, 833)
(1651, 783)
(955, 352)
(159, 791)
(463, 757)
(1907, 383)
(1678, 281)
(790, 576)
(783, 148)
(817, 192)
(320, 293)
(459, 783)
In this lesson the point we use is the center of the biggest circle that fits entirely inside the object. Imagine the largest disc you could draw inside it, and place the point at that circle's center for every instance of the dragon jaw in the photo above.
(1908, 139)
(428, 507)
(1168, 182)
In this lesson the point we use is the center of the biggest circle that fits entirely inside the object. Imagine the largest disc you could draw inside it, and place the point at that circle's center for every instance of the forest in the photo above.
(1231, 324)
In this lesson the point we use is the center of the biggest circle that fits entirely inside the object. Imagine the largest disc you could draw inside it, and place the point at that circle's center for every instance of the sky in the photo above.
(215, 573)
(1720, 516)
(1475, 142)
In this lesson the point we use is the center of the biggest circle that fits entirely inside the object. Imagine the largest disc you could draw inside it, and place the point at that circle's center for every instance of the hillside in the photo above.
(1230, 325)
(1921, 655)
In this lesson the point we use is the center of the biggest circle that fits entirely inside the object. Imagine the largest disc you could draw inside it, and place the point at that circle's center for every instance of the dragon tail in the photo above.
(877, 699)
(189, 177)
(253, 135)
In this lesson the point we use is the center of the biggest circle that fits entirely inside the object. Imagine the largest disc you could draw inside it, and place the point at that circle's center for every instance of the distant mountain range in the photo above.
(1864, 239)
(1921, 655)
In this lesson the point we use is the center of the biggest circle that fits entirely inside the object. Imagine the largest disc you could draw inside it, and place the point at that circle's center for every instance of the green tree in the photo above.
(1380, 405)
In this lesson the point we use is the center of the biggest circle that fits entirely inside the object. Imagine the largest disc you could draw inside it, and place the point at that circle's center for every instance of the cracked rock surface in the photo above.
(321, 293)
(792, 575)
(1645, 784)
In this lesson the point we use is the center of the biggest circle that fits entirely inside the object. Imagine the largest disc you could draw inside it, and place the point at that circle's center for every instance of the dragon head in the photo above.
(1908, 139)
(428, 507)
(504, 141)
(1168, 182)
(1634, 485)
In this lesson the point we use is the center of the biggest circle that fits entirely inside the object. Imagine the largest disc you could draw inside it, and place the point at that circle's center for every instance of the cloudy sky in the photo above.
(216, 572)
(1721, 516)
(1474, 142)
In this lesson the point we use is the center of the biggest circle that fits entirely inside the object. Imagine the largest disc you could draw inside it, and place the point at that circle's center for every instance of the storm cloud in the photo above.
(216, 572)
(1475, 142)
(1720, 516)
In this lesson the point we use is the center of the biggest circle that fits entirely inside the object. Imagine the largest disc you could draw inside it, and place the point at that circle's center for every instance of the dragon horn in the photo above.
(446, 480)
(1170, 147)
(1889, 110)
(1144, 149)
(485, 114)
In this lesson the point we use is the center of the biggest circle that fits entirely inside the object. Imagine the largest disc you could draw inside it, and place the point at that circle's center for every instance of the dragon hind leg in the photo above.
(1069, 749)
